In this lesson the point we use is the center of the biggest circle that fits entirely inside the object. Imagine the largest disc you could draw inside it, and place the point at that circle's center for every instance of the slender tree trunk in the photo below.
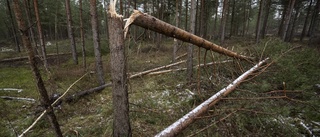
(266, 17)
(186, 21)
(83, 49)
(259, 20)
(223, 21)
(215, 32)
(232, 18)
(41, 39)
(56, 29)
(314, 20)
(176, 43)
(37, 76)
(287, 20)
(248, 17)
(121, 121)
(14, 32)
(70, 33)
(306, 22)
(293, 26)
(96, 41)
(31, 31)
(190, 47)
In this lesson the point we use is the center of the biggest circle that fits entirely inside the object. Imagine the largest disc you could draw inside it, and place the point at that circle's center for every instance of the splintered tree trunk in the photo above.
(37, 76)
(84, 63)
(121, 122)
(43, 47)
(70, 33)
(96, 41)
(149, 22)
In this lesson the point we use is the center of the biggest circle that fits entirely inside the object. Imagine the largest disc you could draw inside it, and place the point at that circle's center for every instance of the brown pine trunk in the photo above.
(33, 64)
(42, 45)
(70, 33)
(96, 41)
(83, 48)
(190, 47)
(259, 20)
(121, 121)
(186, 13)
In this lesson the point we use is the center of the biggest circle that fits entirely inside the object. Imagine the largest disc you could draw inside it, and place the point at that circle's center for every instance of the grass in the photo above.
(158, 101)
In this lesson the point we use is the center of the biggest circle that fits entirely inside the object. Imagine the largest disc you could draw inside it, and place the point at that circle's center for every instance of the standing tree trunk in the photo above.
(215, 19)
(37, 76)
(83, 49)
(186, 14)
(16, 40)
(176, 43)
(42, 45)
(259, 20)
(56, 29)
(266, 17)
(223, 21)
(121, 121)
(287, 19)
(306, 22)
(190, 47)
(314, 19)
(96, 41)
(293, 26)
(232, 18)
(70, 33)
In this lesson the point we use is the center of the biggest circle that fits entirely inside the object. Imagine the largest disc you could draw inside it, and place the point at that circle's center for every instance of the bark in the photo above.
(15, 37)
(29, 19)
(147, 21)
(186, 120)
(42, 45)
(176, 44)
(306, 22)
(287, 19)
(56, 29)
(259, 20)
(186, 14)
(96, 41)
(314, 20)
(232, 19)
(215, 20)
(83, 48)
(70, 33)
(121, 121)
(223, 21)
(190, 47)
(293, 26)
(36, 73)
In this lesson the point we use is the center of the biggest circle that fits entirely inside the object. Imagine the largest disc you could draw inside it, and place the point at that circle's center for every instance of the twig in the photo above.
(33, 124)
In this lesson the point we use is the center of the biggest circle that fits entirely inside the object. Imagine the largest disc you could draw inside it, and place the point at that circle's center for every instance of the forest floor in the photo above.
(280, 100)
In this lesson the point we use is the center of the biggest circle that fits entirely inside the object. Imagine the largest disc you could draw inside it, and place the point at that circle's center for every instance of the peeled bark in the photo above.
(121, 122)
(182, 123)
(149, 22)
(36, 73)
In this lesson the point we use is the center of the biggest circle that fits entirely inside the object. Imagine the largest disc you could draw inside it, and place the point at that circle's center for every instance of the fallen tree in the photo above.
(189, 118)
(152, 23)
(26, 57)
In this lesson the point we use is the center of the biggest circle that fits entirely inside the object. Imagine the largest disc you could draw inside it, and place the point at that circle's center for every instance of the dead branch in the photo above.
(156, 69)
(18, 98)
(149, 22)
(189, 118)
(87, 92)
(185, 54)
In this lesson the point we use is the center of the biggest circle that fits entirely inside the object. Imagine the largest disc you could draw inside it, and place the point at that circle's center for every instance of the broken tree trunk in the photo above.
(149, 22)
(189, 118)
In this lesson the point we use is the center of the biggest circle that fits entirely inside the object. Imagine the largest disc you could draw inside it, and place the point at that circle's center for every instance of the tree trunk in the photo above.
(37, 76)
(121, 122)
(287, 19)
(266, 17)
(149, 22)
(175, 128)
(223, 21)
(314, 20)
(96, 41)
(41, 39)
(232, 18)
(293, 26)
(190, 47)
(70, 33)
(186, 21)
(83, 49)
(306, 22)
(176, 44)
(16, 40)
(215, 32)
(259, 20)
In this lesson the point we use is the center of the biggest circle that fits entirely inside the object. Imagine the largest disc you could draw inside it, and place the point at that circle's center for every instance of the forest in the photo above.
(160, 68)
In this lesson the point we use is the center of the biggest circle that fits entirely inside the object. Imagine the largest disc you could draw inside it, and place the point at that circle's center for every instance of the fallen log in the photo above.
(189, 118)
(25, 57)
(86, 92)
(18, 98)
(152, 23)
(156, 69)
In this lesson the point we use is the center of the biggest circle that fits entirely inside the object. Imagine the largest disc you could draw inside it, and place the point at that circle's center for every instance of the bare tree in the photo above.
(121, 121)
(16, 40)
(70, 33)
(190, 47)
(96, 41)
(42, 45)
(33, 64)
